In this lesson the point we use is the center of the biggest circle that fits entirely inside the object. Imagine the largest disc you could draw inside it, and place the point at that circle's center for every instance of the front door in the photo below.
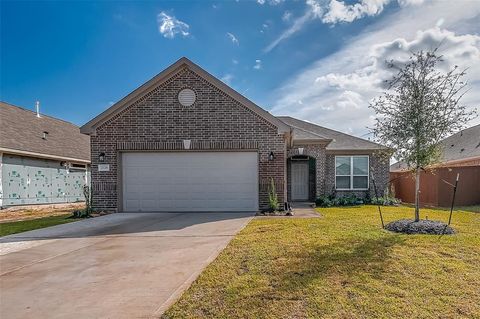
(299, 180)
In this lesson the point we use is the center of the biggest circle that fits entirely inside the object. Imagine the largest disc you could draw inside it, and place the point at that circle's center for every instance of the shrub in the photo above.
(385, 201)
(272, 197)
(323, 201)
(329, 201)
(81, 213)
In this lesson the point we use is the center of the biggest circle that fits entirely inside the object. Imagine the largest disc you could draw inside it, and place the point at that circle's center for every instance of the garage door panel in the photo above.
(190, 181)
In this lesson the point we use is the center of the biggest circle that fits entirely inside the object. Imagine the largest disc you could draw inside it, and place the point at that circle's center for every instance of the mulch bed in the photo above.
(429, 227)
(274, 213)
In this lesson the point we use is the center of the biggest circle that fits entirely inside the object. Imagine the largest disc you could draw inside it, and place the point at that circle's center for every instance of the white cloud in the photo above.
(335, 91)
(404, 3)
(314, 10)
(227, 78)
(265, 26)
(334, 12)
(338, 11)
(234, 61)
(233, 38)
(270, 2)
(258, 64)
(287, 15)
(169, 26)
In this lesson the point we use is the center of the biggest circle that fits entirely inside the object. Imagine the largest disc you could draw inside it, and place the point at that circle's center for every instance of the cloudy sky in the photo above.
(318, 60)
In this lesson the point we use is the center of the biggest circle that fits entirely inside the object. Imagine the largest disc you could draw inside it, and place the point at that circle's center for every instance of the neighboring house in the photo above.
(460, 155)
(42, 159)
(185, 141)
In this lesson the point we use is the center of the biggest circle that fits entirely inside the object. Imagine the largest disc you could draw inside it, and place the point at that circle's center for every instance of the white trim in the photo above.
(351, 175)
(33, 154)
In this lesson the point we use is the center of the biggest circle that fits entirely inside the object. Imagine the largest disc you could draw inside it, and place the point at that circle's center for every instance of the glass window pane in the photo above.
(343, 181)
(360, 165)
(342, 165)
(360, 181)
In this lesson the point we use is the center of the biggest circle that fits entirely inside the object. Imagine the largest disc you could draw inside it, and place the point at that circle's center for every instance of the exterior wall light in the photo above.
(300, 151)
(101, 157)
(271, 156)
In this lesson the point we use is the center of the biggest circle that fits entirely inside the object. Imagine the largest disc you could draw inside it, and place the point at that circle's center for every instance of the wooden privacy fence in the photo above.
(433, 189)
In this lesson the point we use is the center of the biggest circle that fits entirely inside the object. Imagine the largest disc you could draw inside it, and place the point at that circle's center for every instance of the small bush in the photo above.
(81, 213)
(323, 201)
(272, 197)
(329, 201)
(385, 201)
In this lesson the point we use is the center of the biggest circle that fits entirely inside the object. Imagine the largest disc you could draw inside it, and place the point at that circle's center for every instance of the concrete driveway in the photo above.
(116, 266)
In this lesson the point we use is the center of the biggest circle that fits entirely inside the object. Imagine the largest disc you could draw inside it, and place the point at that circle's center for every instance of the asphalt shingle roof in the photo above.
(340, 141)
(22, 130)
(461, 145)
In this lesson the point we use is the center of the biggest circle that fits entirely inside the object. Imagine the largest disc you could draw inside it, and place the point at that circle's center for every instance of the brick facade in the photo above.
(325, 170)
(378, 166)
(158, 122)
(318, 153)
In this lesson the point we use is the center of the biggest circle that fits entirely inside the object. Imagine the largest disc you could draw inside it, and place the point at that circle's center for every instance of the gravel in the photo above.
(431, 227)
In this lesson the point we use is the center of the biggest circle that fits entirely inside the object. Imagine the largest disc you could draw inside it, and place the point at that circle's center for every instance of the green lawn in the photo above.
(342, 265)
(9, 228)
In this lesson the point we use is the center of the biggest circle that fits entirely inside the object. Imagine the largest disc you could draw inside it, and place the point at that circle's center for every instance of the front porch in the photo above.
(305, 173)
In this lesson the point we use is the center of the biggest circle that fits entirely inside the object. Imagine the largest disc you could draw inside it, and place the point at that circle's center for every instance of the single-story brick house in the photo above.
(185, 141)
(43, 160)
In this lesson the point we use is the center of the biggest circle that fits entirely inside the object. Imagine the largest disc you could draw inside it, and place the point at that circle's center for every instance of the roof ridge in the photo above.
(327, 128)
(308, 131)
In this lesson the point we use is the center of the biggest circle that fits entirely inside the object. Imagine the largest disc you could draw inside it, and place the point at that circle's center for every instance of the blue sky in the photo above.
(316, 60)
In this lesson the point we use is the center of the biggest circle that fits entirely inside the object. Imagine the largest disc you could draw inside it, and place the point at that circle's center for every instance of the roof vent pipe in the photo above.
(37, 108)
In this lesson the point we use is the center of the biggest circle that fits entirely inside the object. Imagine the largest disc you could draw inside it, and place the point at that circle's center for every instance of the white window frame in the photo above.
(351, 173)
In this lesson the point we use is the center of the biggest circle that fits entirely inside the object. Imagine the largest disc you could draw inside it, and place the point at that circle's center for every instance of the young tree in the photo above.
(419, 109)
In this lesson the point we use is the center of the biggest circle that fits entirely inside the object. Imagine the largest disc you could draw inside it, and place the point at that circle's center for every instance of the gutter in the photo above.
(41, 155)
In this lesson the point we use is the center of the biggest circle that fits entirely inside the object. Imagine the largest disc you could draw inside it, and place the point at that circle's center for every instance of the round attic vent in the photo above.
(186, 97)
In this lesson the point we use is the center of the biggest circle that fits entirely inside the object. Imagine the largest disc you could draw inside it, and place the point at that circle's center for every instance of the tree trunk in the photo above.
(417, 194)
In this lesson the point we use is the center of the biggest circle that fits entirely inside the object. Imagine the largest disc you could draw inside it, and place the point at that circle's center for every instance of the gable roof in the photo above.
(462, 145)
(21, 132)
(339, 141)
(166, 74)
(459, 147)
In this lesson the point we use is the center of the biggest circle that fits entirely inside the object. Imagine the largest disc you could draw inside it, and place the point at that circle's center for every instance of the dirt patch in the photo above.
(33, 212)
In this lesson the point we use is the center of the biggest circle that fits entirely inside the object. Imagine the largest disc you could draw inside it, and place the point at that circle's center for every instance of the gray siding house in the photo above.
(43, 160)
(185, 141)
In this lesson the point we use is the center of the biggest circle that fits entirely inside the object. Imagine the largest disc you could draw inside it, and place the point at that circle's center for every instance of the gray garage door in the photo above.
(190, 181)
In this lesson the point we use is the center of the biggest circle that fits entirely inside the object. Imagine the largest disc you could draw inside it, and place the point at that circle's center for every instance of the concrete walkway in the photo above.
(114, 266)
(304, 210)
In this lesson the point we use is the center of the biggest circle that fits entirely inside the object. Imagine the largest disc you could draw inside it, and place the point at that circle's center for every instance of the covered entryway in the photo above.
(301, 178)
(190, 181)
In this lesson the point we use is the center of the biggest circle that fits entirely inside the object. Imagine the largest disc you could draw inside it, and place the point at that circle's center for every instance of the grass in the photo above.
(9, 228)
(342, 265)
(474, 208)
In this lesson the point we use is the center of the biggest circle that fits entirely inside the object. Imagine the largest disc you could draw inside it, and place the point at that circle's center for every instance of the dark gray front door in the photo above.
(299, 180)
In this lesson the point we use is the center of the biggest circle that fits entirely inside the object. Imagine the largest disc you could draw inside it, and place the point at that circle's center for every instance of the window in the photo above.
(351, 172)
